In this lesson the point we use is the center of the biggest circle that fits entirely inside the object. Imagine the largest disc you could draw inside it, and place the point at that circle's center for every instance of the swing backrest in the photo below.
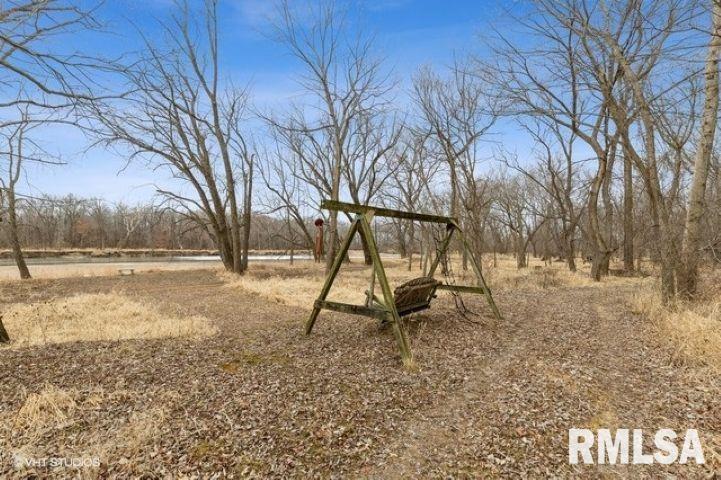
(415, 295)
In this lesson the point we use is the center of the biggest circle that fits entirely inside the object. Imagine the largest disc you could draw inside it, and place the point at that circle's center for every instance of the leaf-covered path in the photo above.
(572, 358)
(260, 399)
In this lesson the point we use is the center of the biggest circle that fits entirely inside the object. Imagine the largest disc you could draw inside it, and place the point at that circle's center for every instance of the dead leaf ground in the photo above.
(258, 399)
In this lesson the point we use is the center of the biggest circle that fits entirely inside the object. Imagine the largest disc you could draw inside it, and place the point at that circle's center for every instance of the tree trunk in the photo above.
(454, 187)
(427, 256)
(15, 237)
(571, 262)
(520, 253)
(608, 219)
(4, 337)
(628, 231)
(367, 258)
(222, 242)
(247, 218)
(333, 240)
(600, 246)
(688, 271)
(666, 249)
(400, 237)
(235, 235)
(411, 240)
(478, 248)
(599, 267)
(570, 251)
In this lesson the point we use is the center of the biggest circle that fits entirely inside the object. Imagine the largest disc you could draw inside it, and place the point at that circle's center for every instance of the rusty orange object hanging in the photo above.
(318, 254)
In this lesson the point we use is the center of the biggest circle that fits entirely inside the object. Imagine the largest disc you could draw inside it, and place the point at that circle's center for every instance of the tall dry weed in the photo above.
(692, 328)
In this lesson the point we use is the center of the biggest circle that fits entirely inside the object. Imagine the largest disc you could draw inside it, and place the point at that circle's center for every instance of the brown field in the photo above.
(194, 373)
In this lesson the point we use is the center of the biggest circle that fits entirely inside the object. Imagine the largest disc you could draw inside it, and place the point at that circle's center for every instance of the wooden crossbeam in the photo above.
(376, 313)
(384, 212)
(407, 310)
(461, 288)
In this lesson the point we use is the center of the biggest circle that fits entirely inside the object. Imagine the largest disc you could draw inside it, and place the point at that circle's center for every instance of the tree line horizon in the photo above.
(633, 82)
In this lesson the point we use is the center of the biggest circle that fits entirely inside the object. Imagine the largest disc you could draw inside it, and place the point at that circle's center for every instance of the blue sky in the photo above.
(409, 34)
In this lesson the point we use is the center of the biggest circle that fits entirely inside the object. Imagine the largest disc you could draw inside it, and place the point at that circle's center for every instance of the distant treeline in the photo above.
(51, 222)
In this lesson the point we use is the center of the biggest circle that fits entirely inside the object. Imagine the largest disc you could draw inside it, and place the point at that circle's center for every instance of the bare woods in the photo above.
(574, 128)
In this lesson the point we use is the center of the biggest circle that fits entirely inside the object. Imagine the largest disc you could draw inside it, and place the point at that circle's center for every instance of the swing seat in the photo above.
(415, 295)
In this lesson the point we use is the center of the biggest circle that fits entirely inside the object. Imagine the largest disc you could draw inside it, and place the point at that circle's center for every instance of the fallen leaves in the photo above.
(260, 400)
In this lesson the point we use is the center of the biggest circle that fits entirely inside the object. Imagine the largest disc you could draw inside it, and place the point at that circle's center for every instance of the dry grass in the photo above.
(538, 276)
(693, 329)
(299, 284)
(505, 276)
(139, 432)
(56, 412)
(91, 317)
(302, 291)
(48, 409)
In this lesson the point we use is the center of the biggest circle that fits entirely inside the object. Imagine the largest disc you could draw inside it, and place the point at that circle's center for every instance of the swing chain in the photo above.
(447, 270)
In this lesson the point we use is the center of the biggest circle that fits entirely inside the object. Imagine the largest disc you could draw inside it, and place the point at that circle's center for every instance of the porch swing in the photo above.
(410, 297)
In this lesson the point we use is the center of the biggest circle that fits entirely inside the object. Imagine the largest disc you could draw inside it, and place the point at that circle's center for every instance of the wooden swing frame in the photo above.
(385, 309)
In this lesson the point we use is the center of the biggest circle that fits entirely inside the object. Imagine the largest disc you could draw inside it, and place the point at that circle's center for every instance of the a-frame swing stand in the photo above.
(408, 298)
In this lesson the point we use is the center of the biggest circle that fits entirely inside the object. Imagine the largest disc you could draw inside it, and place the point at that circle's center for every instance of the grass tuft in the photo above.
(92, 317)
(49, 408)
(693, 329)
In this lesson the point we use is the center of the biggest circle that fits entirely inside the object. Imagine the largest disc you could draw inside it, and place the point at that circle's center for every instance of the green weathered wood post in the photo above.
(332, 274)
(397, 323)
(370, 293)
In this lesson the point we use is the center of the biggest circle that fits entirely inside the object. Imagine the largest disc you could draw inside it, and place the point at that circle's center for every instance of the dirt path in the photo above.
(576, 359)
(260, 399)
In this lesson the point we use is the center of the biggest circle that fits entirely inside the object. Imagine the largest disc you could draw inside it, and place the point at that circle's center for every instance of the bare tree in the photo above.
(620, 33)
(346, 87)
(40, 83)
(557, 175)
(456, 113)
(516, 206)
(688, 275)
(565, 95)
(287, 192)
(180, 119)
(15, 155)
(19, 149)
(409, 186)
